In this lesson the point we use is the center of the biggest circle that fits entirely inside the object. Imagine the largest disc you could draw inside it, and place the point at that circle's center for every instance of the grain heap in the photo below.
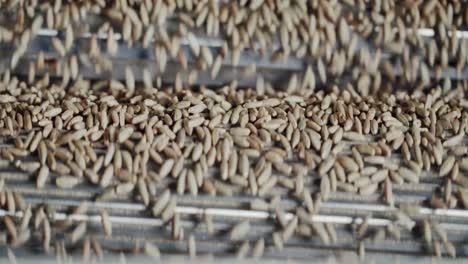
(374, 108)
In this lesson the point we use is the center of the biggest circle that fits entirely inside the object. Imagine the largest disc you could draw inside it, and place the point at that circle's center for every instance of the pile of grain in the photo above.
(341, 124)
